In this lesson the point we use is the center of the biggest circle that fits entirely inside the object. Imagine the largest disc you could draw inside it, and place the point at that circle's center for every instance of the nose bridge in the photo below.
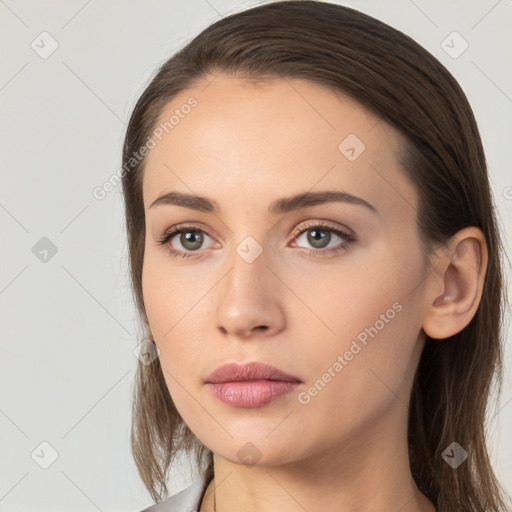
(248, 297)
(247, 280)
(250, 250)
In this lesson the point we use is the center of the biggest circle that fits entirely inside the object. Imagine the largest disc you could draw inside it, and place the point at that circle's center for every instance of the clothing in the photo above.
(186, 500)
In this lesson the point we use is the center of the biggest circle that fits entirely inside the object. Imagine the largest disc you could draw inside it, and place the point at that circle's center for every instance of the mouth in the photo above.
(250, 385)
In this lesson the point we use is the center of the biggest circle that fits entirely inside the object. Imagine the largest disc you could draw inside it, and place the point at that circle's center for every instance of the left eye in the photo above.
(319, 237)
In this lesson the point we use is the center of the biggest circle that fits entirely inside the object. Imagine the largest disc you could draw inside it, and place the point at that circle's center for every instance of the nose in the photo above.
(248, 300)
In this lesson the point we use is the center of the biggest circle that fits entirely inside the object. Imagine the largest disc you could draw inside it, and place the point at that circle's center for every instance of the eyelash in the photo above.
(175, 230)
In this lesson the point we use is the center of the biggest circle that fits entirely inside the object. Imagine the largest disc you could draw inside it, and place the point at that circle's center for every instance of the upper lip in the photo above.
(232, 372)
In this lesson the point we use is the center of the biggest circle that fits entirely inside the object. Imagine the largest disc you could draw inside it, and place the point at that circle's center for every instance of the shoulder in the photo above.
(186, 500)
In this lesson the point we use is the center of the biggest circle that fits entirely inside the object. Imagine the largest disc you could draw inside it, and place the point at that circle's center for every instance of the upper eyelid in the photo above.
(324, 224)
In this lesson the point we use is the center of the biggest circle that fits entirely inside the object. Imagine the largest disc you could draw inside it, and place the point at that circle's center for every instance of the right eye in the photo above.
(191, 239)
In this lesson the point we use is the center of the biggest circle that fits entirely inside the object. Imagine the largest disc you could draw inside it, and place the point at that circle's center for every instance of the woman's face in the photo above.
(268, 284)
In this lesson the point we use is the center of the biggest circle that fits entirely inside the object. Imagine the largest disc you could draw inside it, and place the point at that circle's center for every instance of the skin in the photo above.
(245, 145)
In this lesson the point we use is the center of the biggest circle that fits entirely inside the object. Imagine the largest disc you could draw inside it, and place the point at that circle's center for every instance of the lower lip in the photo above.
(250, 394)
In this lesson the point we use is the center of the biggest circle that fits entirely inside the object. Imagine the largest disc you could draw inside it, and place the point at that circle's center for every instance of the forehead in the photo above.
(244, 140)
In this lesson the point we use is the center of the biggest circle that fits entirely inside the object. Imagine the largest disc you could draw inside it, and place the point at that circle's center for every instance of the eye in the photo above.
(191, 239)
(319, 235)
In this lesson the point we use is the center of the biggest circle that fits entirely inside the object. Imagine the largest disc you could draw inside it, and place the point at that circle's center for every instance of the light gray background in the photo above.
(68, 327)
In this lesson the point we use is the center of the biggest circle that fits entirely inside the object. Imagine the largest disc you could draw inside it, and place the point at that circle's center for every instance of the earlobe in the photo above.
(454, 286)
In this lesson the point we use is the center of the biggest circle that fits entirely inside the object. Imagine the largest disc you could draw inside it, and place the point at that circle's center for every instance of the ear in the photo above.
(454, 286)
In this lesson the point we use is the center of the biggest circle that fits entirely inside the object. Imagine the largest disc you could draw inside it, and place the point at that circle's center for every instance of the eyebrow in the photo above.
(280, 206)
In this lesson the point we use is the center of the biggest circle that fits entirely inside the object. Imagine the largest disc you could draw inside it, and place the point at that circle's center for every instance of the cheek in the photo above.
(172, 295)
(180, 314)
(338, 300)
(352, 384)
(355, 382)
(365, 329)
(170, 311)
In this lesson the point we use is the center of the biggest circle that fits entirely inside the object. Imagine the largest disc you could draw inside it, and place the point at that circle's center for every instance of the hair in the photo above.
(398, 80)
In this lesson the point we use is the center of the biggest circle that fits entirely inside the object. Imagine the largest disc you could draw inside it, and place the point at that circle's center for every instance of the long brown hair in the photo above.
(389, 73)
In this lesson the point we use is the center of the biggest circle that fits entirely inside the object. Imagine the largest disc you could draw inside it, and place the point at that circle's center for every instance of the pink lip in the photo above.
(250, 394)
(234, 372)
(250, 385)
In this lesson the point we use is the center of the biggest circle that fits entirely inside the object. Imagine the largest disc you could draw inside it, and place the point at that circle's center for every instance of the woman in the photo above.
(315, 257)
